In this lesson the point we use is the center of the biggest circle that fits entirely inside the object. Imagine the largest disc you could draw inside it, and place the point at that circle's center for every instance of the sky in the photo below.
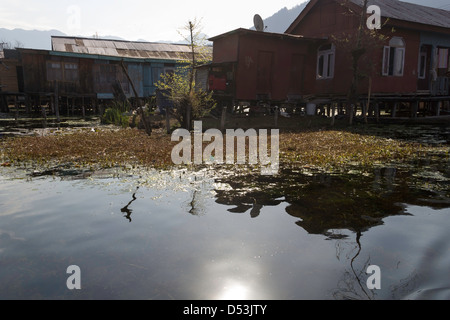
(135, 19)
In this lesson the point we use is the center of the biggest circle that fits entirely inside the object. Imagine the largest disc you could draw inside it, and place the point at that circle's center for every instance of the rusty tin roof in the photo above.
(121, 48)
(406, 11)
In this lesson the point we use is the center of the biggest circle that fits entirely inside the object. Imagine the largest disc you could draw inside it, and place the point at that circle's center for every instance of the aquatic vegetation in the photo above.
(334, 150)
(106, 147)
(101, 148)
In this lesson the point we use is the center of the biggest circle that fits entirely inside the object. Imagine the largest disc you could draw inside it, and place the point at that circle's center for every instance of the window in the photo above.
(423, 65)
(394, 58)
(54, 71)
(443, 58)
(156, 73)
(70, 72)
(325, 62)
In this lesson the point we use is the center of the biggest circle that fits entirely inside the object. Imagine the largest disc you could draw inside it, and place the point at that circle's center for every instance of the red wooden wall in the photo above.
(268, 65)
(328, 18)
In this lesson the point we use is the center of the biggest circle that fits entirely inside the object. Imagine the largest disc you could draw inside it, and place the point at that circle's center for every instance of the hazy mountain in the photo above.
(34, 39)
(278, 22)
(281, 20)
(28, 38)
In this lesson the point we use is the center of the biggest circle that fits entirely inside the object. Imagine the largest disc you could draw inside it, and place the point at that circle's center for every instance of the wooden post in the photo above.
(223, 118)
(27, 104)
(415, 108)
(276, 116)
(369, 96)
(333, 112)
(377, 112)
(438, 108)
(147, 125)
(83, 108)
(58, 119)
(167, 120)
(16, 106)
(351, 112)
(44, 113)
(394, 109)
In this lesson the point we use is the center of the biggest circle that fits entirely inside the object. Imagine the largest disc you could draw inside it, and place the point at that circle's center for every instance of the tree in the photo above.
(360, 46)
(189, 102)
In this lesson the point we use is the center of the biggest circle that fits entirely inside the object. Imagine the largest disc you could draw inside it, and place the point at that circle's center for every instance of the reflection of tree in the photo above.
(126, 209)
(348, 288)
(321, 202)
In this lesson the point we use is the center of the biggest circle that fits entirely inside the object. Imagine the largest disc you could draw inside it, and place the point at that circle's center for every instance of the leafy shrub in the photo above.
(115, 115)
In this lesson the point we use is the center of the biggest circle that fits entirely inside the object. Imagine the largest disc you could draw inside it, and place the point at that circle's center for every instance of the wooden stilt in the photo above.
(56, 104)
(167, 120)
(394, 109)
(276, 116)
(16, 106)
(415, 108)
(438, 108)
(223, 118)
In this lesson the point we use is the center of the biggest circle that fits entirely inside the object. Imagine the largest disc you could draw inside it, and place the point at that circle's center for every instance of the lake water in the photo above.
(184, 235)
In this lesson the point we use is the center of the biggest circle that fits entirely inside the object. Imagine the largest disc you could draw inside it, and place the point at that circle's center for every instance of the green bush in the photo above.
(115, 116)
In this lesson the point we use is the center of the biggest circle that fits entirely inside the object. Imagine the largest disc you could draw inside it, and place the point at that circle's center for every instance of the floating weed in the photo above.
(133, 150)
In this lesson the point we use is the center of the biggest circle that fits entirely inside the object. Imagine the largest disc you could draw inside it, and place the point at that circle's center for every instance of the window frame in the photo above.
(328, 63)
(394, 64)
(423, 65)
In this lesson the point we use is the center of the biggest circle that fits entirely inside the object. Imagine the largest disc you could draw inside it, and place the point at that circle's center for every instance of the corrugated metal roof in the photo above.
(124, 49)
(406, 11)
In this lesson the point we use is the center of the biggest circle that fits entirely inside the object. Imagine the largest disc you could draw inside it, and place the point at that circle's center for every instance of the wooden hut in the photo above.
(249, 67)
(11, 84)
(86, 72)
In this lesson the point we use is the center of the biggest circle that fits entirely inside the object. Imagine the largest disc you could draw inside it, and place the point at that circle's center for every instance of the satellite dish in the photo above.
(259, 22)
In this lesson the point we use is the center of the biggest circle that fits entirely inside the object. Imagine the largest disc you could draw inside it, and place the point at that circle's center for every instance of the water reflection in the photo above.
(343, 208)
(293, 236)
(126, 210)
(327, 202)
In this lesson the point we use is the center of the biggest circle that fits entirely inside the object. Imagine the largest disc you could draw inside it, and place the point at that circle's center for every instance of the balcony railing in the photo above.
(441, 86)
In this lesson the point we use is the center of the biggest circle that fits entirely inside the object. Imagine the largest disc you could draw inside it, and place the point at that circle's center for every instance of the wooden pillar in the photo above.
(438, 108)
(167, 120)
(96, 106)
(414, 109)
(83, 108)
(377, 112)
(44, 113)
(333, 114)
(56, 104)
(100, 109)
(223, 118)
(27, 104)
(276, 116)
(394, 109)
(16, 106)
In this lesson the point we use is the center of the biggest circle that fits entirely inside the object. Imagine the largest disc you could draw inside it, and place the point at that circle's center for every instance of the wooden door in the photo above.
(264, 73)
(424, 68)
